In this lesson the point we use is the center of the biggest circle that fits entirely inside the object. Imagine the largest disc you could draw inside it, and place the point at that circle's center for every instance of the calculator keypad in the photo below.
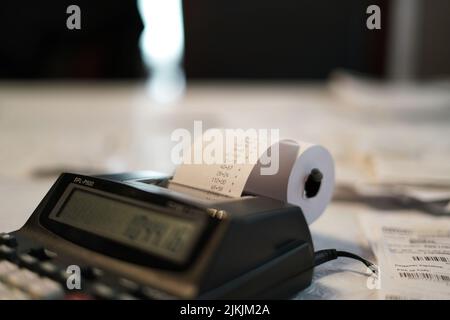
(18, 283)
(36, 273)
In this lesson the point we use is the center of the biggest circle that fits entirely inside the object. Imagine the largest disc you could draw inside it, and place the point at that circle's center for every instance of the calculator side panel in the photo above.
(269, 239)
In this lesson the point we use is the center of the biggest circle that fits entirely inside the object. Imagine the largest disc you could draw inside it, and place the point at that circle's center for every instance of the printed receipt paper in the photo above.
(282, 178)
(413, 253)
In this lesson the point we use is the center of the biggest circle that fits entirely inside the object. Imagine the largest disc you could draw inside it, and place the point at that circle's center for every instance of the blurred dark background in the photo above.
(35, 42)
(281, 39)
(253, 39)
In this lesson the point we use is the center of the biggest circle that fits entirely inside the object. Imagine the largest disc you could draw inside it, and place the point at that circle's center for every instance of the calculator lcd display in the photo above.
(138, 226)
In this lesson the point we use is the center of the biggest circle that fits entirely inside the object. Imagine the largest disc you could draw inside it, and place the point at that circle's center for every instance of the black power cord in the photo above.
(326, 255)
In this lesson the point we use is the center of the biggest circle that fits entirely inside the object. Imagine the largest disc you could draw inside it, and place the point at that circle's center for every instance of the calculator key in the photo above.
(20, 278)
(7, 267)
(27, 260)
(126, 296)
(7, 252)
(8, 239)
(155, 294)
(102, 291)
(128, 285)
(20, 295)
(4, 288)
(49, 269)
(42, 254)
(62, 276)
(92, 273)
(44, 288)
(14, 294)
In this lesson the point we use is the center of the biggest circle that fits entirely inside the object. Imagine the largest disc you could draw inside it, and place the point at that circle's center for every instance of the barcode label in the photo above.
(431, 258)
(424, 276)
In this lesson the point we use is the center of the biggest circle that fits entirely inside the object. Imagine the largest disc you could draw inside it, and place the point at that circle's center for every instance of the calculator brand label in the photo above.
(85, 182)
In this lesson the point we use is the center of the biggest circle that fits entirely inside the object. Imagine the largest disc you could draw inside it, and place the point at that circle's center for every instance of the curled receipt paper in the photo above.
(299, 173)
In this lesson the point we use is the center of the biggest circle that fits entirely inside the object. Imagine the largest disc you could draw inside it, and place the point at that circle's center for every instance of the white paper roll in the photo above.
(296, 161)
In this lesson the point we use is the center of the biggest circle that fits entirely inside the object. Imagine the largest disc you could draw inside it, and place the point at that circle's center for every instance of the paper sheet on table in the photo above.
(413, 253)
(433, 172)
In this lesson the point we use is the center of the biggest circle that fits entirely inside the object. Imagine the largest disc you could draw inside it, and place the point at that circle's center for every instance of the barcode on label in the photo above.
(424, 276)
(431, 258)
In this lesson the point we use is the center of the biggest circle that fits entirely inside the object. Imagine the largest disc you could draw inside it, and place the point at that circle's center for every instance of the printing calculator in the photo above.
(130, 236)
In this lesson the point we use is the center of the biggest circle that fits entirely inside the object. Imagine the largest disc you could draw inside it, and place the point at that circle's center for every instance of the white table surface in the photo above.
(117, 127)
